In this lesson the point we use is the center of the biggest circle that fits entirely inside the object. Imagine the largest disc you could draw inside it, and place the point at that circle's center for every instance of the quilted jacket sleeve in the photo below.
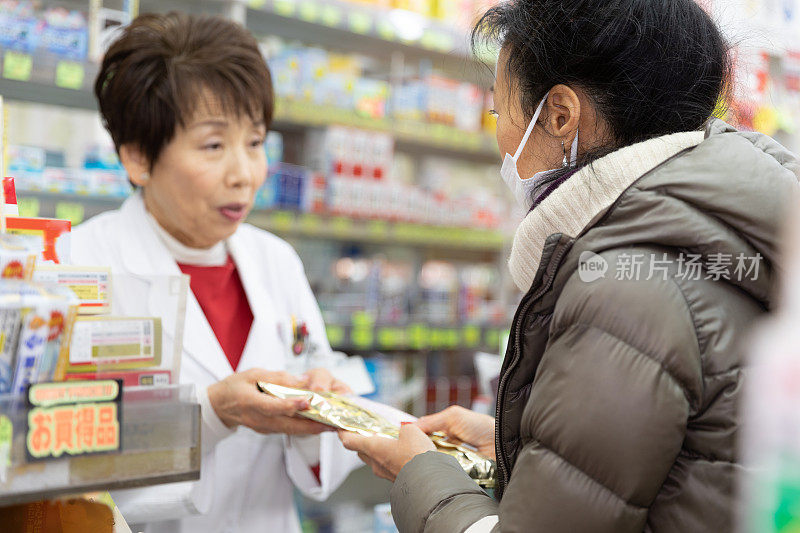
(603, 425)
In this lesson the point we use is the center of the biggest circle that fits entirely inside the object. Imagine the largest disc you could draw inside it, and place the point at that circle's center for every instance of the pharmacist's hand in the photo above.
(238, 402)
(464, 425)
(387, 456)
(321, 380)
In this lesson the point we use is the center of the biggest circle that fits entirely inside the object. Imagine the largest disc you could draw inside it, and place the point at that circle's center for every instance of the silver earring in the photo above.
(564, 163)
(146, 175)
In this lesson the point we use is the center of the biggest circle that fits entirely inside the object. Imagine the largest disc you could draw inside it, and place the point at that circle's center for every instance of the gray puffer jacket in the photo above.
(617, 405)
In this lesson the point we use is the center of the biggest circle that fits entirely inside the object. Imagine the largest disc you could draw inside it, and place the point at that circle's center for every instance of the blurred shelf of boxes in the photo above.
(51, 79)
(414, 337)
(82, 204)
(422, 30)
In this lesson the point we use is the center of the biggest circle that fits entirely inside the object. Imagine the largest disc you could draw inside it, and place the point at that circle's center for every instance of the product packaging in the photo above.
(10, 208)
(12, 295)
(137, 342)
(27, 164)
(112, 344)
(18, 26)
(289, 183)
(92, 285)
(52, 234)
(36, 321)
(18, 255)
(64, 33)
(63, 308)
(359, 416)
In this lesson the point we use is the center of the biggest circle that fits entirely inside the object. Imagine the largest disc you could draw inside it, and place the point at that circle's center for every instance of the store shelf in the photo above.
(396, 29)
(52, 80)
(304, 224)
(379, 231)
(47, 79)
(160, 444)
(418, 135)
(414, 337)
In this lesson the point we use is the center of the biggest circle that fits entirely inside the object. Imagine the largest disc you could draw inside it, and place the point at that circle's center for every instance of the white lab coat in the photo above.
(246, 478)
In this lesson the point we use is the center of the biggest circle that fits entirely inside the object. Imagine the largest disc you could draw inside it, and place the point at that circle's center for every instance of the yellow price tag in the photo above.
(341, 226)
(282, 221)
(309, 11)
(378, 228)
(387, 337)
(440, 133)
(362, 319)
(6, 438)
(445, 42)
(362, 337)
(386, 30)
(284, 8)
(6, 430)
(492, 338)
(438, 338)
(69, 75)
(418, 336)
(71, 211)
(335, 335)
(406, 232)
(310, 223)
(17, 66)
(331, 16)
(428, 40)
(28, 207)
(360, 22)
(452, 338)
(471, 336)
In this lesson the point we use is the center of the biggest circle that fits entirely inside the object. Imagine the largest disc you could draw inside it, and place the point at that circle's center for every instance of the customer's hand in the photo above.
(387, 456)
(238, 402)
(321, 380)
(464, 425)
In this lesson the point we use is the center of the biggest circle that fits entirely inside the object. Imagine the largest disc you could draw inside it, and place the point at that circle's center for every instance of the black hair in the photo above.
(651, 67)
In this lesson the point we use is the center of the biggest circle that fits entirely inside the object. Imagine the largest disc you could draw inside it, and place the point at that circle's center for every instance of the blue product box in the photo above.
(17, 33)
(64, 33)
(65, 42)
(289, 182)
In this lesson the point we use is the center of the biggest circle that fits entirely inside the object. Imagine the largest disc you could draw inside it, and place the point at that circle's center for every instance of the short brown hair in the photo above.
(155, 74)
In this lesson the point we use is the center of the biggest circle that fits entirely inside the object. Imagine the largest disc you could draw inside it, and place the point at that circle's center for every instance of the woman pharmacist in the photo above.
(643, 258)
(188, 102)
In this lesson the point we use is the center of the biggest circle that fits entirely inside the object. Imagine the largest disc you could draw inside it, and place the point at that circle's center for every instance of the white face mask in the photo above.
(521, 188)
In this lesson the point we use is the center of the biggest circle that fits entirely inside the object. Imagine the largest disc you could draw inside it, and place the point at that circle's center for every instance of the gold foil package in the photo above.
(345, 413)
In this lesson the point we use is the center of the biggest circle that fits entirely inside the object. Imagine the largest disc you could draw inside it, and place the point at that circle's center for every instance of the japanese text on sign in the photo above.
(73, 430)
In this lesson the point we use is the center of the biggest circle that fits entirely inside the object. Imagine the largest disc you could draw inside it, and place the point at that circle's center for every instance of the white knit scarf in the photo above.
(585, 196)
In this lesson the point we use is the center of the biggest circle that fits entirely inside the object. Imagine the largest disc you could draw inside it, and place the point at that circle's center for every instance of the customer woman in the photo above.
(643, 259)
(188, 102)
